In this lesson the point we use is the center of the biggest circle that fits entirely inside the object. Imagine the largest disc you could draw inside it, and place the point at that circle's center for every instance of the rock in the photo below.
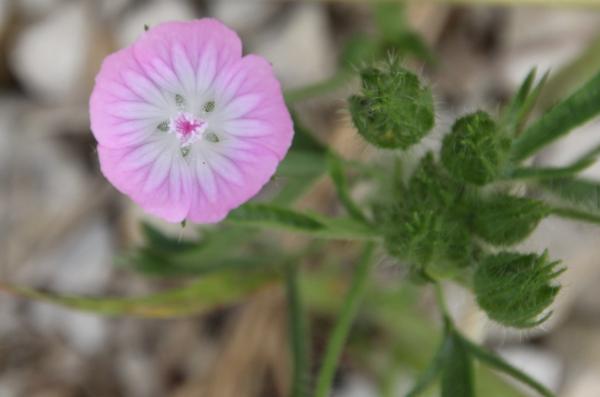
(33, 9)
(50, 56)
(544, 366)
(555, 35)
(87, 333)
(81, 263)
(299, 48)
(356, 386)
(150, 13)
(243, 16)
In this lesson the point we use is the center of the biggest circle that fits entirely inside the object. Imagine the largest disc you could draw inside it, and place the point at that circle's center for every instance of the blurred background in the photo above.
(63, 228)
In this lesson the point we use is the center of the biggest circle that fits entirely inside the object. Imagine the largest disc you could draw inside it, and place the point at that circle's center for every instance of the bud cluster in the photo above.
(443, 221)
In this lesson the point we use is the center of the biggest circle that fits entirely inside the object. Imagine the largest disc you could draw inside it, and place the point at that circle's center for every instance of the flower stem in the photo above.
(298, 333)
(344, 321)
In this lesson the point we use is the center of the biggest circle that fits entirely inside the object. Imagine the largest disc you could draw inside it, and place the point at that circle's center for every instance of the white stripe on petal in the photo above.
(207, 68)
(159, 170)
(206, 178)
(183, 68)
(164, 76)
(246, 128)
(144, 154)
(226, 168)
(144, 88)
(137, 111)
(241, 106)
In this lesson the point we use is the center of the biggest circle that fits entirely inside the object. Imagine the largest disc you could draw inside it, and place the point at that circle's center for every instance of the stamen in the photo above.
(211, 137)
(179, 101)
(164, 126)
(209, 106)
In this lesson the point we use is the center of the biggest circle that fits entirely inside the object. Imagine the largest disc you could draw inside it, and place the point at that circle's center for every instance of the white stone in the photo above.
(543, 366)
(49, 56)
(243, 15)
(85, 332)
(151, 13)
(80, 264)
(299, 48)
(544, 38)
(356, 386)
(35, 8)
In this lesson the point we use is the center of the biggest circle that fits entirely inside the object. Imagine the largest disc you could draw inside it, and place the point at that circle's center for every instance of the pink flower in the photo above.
(186, 126)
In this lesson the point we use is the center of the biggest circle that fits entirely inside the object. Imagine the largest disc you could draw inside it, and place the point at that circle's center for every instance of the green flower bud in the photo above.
(394, 110)
(422, 227)
(475, 149)
(507, 220)
(514, 289)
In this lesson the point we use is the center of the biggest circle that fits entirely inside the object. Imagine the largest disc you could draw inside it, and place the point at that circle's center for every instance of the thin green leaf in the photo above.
(344, 321)
(552, 172)
(301, 167)
(265, 215)
(501, 365)
(575, 214)
(217, 250)
(198, 297)
(522, 103)
(579, 193)
(558, 121)
(336, 171)
(457, 375)
(298, 334)
(433, 370)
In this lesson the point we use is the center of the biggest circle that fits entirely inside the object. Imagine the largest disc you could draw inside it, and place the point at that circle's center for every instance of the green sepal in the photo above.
(475, 150)
(505, 220)
(424, 225)
(394, 110)
(515, 289)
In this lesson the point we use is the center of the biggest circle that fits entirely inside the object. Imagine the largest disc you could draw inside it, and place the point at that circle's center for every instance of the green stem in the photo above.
(344, 321)
(298, 333)
(320, 88)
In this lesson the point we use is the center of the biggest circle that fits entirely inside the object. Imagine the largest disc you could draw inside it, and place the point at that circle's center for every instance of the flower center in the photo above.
(187, 127)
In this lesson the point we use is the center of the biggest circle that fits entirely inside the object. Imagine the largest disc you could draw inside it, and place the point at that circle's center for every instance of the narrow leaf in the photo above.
(501, 365)
(196, 298)
(457, 375)
(552, 172)
(433, 370)
(336, 171)
(558, 121)
(271, 216)
(580, 193)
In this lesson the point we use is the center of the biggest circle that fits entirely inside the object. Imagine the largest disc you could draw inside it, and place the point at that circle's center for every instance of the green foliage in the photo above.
(457, 373)
(578, 108)
(198, 297)
(272, 216)
(163, 255)
(424, 227)
(301, 167)
(475, 149)
(505, 220)
(394, 110)
(514, 289)
(517, 111)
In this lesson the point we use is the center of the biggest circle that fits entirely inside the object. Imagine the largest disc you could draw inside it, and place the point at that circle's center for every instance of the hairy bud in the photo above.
(514, 289)
(506, 220)
(475, 149)
(422, 227)
(394, 110)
